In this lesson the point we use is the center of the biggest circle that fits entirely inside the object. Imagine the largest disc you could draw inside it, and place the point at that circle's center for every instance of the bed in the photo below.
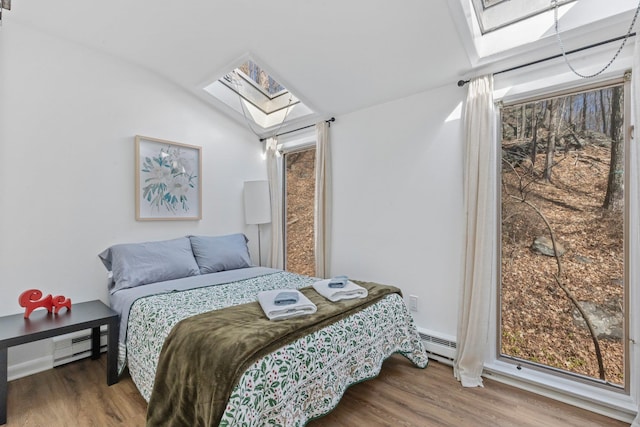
(158, 285)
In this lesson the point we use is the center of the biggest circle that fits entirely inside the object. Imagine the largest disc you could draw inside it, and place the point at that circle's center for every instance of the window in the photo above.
(494, 14)
(563, 240)
(258, 89)
(299, 205)
(255, 95)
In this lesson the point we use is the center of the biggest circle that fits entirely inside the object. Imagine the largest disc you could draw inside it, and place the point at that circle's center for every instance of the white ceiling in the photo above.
(337, 56)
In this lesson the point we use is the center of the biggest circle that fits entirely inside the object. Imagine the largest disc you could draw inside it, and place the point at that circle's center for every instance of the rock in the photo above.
(606, 319)
(583, 259)
(516, 153)
(544, 246)
(597, 138)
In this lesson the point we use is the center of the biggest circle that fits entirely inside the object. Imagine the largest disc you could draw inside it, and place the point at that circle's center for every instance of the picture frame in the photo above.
(168, 180)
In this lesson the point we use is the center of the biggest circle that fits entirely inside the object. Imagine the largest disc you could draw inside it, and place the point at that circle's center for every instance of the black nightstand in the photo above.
(16, 330)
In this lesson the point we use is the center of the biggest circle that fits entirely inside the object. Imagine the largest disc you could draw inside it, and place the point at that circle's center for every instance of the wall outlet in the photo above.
(413, 303)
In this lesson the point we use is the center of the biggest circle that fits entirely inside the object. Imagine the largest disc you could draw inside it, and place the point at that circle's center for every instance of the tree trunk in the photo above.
(529, 123)
(523, 112)
(571, 101)
(584, 111)
(614, 199)
(616, 121)
(551, 144)
(603, 112)
(548, 105)
(534, 136)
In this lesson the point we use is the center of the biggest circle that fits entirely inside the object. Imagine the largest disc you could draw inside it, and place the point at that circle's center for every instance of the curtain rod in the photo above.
(332, 119)
(517, 67)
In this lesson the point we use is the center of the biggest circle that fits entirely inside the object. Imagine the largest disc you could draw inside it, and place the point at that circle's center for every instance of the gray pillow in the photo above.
(135, 264)
(220, 253)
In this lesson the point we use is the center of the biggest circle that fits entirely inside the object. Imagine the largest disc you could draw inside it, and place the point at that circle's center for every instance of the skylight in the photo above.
(494, 30)
(252, 92)
(494, 14)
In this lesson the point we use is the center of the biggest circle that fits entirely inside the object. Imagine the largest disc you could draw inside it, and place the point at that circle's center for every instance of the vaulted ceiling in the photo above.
(337, 56)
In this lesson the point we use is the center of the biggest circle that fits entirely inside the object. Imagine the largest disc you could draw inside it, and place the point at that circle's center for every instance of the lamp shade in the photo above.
(257, 203)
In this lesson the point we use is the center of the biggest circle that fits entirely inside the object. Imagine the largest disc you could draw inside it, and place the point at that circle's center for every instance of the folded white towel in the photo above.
(279, 312)
(350, 291)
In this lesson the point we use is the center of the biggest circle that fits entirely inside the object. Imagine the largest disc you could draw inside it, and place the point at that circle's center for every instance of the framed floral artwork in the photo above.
(168, 180)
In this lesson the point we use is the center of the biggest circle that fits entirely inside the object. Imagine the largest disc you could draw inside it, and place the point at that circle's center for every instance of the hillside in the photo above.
(539, 322)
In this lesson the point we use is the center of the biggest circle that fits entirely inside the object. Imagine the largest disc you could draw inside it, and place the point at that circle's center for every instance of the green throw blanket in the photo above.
(204, 356)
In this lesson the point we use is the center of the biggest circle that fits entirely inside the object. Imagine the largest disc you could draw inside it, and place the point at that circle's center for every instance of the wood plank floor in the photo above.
(77, 395)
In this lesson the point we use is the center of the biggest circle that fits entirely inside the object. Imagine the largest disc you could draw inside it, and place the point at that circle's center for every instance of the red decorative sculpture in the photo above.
(32, 299)
(60, 301)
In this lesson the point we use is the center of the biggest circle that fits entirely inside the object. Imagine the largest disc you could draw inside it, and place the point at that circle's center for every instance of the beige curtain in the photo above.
(274, 166)
(480, 207)
(634, 227)
(322, 205)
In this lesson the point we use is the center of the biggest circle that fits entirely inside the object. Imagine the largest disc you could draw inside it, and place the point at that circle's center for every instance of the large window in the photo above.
(563, 294)
(299, 204)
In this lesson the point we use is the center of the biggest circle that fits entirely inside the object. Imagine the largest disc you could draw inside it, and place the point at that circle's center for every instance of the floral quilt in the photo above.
(300, 381)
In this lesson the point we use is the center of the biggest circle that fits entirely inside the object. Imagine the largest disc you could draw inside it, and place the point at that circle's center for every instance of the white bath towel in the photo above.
(280, 312)
(350, 291)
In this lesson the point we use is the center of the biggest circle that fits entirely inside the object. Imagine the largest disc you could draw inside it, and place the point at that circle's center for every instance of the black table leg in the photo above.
(3, 385)
(95, 343)
(112, 352)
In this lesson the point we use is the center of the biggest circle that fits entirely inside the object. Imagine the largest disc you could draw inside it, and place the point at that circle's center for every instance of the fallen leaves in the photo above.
(537, 324)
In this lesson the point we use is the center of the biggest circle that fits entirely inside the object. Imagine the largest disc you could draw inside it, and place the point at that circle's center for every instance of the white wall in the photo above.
(397, 214)
(68, 116)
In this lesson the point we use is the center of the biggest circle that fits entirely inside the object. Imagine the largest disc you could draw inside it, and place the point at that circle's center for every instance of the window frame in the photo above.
(553, 377)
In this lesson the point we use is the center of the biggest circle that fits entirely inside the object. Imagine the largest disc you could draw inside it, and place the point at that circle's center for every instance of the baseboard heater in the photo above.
(70, 347)
(439, 346)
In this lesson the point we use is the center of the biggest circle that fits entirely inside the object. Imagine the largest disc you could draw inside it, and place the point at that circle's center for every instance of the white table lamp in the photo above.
(257, 207)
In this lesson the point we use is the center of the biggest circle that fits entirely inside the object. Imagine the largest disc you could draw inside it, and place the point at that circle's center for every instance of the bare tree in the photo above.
(614, 198)
(527, 130)
(551, 143)
(584, 111)
(603, 112)
(523, 113)
(546, 109)
(534, 136)
(570, 119)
